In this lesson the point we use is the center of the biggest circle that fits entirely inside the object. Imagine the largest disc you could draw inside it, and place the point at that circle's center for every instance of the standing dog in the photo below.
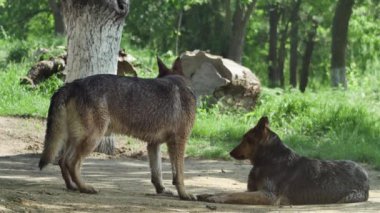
(281, 177)
(154, 110)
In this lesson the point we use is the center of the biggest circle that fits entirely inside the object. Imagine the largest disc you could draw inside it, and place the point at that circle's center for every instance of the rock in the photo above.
(230, 83)
(201, 79)
(124, 64)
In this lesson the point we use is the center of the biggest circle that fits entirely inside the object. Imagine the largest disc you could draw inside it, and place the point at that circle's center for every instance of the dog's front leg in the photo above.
(250, 198)
(155, 160)
(176, 149)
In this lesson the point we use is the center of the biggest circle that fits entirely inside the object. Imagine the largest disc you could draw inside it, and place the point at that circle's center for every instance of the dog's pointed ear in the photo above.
(177, 66)
(162, 68)
(263, 123)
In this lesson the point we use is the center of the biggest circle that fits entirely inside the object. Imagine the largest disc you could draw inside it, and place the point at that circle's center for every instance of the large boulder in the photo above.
(221, 78)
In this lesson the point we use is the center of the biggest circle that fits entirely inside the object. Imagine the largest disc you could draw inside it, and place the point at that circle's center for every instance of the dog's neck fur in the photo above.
(275, 152)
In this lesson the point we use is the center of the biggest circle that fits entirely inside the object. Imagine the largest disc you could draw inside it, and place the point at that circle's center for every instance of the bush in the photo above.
(18, 52)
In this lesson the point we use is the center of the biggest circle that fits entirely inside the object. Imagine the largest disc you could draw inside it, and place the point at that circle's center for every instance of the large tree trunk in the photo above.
(339, 33)
(59, 24)
(239, 27)
(293, 61)
(94, 30)
(304, 77)
(274, 17)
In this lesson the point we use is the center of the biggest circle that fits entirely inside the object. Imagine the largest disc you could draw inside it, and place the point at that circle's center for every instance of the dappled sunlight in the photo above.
(124, 185)
(27, 178)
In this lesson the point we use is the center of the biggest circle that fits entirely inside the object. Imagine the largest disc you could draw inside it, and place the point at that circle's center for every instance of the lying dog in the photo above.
(281, 177)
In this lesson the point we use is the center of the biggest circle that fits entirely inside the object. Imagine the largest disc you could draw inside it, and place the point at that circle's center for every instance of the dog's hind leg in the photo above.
(176, 149)
(155, 162)
(74, 163)
(66, 174)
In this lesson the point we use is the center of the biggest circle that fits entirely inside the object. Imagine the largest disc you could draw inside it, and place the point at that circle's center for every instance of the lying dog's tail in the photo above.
(56, 129)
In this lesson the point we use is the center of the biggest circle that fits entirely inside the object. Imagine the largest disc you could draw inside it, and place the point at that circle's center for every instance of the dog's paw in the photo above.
(203, 197)
(166, 192)
(212, 198)
(186, 196)
(88, 190)
(72, 187)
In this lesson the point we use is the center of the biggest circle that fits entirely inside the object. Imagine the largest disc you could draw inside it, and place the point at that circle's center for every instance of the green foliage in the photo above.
(18, 52)
(18, 18)
(327, 125)
(215, 133)
(21, 100)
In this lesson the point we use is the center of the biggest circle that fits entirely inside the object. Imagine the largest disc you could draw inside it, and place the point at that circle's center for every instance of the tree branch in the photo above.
(249, 11)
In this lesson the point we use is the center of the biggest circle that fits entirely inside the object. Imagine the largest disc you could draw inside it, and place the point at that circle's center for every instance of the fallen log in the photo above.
(43, 69)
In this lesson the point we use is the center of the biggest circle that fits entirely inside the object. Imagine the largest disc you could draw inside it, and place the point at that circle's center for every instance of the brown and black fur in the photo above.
(160, 110)
(282, 177)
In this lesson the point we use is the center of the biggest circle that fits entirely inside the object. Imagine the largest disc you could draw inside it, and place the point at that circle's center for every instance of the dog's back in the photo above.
(310, 181)
(148, 109)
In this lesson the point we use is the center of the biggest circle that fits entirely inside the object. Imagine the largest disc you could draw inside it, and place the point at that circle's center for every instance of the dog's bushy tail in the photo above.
(56, 129)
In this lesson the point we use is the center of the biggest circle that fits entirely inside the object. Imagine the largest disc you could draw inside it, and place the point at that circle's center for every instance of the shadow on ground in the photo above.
(124, 186)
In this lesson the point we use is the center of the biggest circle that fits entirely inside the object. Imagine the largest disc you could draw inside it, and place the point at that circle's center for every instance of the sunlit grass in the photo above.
(328, 124)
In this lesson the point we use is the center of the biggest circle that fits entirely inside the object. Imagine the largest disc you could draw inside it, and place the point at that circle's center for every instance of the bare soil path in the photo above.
(124, 180)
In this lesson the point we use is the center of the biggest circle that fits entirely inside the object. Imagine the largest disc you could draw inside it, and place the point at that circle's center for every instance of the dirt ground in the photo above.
(123, 180)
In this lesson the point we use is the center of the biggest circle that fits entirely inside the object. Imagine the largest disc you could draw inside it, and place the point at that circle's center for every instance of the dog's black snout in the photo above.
(235, 155)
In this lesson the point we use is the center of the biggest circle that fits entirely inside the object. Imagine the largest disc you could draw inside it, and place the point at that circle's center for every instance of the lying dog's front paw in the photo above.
(218, 198)
(203, 197)
(188, 197)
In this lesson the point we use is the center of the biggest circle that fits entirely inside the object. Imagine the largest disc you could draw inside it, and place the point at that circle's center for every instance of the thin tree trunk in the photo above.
(59, 24)
(274, 77)
(293, 61)
(304, 77)
(339, 33)
(239, 27)
(227, 27)
(282, 48)
(178, 31)
(94, 30)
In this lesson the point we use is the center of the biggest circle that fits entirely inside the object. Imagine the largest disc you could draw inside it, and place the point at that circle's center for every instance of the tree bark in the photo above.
(304, 77)
(94, 30)
(293, 61)
(274, 17)
(339, 33)
(239, 27)
(59, 24)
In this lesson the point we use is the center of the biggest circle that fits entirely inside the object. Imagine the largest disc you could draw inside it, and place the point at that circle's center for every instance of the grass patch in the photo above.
(327, 125)
(22, 100)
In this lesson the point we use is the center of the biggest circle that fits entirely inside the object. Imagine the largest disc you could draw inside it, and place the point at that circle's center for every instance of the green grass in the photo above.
(329, 125)
(23, 100)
